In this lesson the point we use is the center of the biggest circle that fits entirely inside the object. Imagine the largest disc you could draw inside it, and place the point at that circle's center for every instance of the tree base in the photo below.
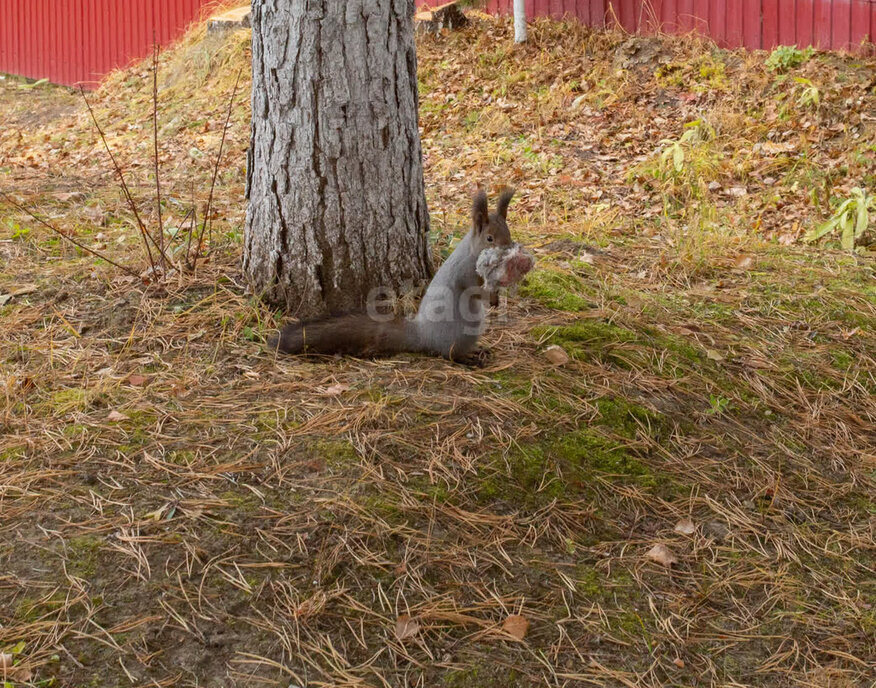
(447, 16)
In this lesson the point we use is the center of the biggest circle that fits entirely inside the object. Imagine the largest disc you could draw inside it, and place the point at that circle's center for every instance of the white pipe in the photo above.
(519, 21)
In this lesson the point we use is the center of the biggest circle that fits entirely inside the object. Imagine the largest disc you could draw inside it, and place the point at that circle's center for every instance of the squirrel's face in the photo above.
(490, 229)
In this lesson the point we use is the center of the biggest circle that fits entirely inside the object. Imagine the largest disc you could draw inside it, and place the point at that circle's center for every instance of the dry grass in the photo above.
(253, 521)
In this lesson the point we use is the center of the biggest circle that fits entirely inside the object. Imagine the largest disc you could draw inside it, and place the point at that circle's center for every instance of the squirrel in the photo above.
(450, 318)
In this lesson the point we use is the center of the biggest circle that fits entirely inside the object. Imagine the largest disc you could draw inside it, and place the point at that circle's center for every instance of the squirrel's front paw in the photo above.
(478, 358)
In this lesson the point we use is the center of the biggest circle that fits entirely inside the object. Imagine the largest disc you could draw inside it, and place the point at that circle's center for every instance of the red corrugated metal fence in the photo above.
(78, 41)
(827, 24)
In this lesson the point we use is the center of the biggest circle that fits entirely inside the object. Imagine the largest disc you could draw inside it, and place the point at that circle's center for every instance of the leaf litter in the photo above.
(252, 520)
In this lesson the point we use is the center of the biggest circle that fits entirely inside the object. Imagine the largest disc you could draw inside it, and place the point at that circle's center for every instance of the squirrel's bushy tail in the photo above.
(355, 335)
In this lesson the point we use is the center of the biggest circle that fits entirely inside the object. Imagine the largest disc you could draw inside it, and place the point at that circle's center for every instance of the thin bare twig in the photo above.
(155, 142)
(57, 231)
(193, 227)
(178, 236)
(127, 193)
(216, 168)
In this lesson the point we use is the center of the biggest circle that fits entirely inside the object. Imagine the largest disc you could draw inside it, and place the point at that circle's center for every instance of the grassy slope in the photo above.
(254, 521)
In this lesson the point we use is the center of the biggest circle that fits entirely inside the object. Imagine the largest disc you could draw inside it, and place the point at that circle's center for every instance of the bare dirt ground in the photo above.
(689, 500)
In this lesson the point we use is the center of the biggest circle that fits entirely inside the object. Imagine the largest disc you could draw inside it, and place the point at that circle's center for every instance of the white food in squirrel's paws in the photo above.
(504, 266)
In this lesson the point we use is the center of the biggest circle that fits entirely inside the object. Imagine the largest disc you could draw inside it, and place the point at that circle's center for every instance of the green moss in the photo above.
(679, 346)
(841, 360)
(859, 503)
(626, 418)
(853, 317)
(553, 289)
(535, 392)
(12, 453)
(138, 429)
(30, 610)
(589, 331)
(703, 73)
(807, 369)
(589, 339)
(336, 453)
(71, 399)
(183, 457)
(74, 430)
(484, 675)
(511, 384)
(268, 422)
(121, 638)
(384, 507)
(431, 492)
(631, 624)
(618, 593)
(242, 501)
(867, 621)
(82, 554)
(139, 418)
(526, 475)
(131, 448)
(377, 394)
(561, 468)
(589, 452)
(590, 582)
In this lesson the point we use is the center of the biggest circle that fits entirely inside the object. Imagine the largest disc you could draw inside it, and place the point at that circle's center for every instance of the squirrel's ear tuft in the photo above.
(502, 204)
(480, 213)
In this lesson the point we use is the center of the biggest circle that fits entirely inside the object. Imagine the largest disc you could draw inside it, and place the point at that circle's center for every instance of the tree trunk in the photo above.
(337, 203)
(519, 21)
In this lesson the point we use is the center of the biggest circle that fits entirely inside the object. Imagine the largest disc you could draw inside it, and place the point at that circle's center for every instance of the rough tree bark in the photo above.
(337, 204)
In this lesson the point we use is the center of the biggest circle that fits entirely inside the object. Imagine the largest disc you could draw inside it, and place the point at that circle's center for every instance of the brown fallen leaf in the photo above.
(787, 239)
(115, 417)
(556, 355)
(337, 389)
(685, 527)
(21, 674)
(21, 291)
(155, 515)
(137, 380)
(26, 384)
(662, 555)
(516, 626)
(180, 391)
(679, 662)
(26, 289)
(70, 197)
(406, 627)
(744, 262)
(8, 672)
